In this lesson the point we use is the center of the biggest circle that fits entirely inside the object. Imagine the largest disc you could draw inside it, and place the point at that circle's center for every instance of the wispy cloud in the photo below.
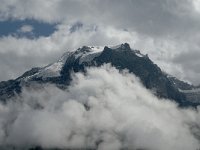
(26, 28)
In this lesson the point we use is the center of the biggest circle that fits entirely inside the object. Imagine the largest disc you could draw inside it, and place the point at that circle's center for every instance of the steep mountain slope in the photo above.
(122, 57)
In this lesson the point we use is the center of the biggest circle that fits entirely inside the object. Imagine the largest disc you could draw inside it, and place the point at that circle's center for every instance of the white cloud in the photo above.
(196, 4)
(26, 28)
(122, 113)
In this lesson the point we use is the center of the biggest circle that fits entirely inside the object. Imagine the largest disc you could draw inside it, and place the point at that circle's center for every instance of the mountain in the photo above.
(120, 56)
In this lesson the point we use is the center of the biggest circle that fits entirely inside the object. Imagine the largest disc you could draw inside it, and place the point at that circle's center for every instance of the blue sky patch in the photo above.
(26, 28)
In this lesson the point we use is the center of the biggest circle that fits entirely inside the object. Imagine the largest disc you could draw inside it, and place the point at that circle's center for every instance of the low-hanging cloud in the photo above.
(102, 109)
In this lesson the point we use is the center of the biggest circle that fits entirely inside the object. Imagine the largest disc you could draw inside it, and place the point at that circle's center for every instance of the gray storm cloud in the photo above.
(104, 108)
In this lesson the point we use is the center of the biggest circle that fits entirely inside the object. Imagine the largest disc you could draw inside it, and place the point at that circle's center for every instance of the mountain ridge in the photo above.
(121, 57)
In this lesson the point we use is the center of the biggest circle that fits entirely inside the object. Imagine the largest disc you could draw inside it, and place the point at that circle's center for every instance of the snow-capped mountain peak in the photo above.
(121, 57)
(84, 54)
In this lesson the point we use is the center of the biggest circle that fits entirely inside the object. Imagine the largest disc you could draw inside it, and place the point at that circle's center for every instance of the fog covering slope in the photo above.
(103, 109)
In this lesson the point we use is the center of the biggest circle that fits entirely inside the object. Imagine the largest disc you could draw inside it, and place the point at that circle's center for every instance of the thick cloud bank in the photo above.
(104, 109)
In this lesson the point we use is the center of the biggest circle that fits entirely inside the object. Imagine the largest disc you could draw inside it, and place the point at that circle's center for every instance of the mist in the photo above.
(104, 109)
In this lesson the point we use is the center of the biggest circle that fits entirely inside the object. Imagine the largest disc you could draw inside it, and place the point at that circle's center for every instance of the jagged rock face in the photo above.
(121, 56)
(8, 89)
(149, 73)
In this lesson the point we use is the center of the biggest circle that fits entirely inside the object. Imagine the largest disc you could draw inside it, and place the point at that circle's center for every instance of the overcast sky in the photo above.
(35, 33)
